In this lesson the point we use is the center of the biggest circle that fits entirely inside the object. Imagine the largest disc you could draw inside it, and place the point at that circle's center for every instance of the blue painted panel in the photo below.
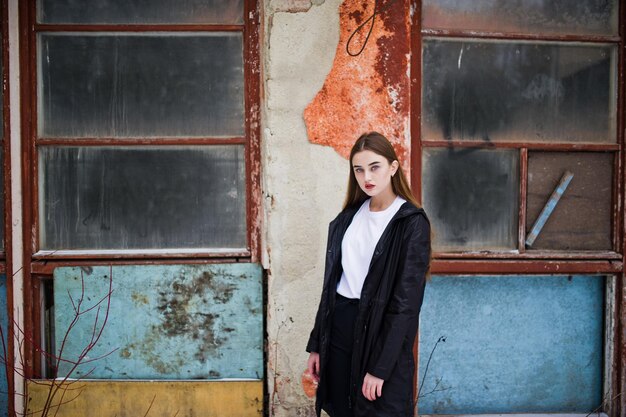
(512, 344)
(4, 322)
(165, 321)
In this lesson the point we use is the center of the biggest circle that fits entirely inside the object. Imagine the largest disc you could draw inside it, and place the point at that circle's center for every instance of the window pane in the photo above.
(471, 197)
(582, 217)
(137, 11)
(142, 198)
(141, 85)
(581, 17)
(518, 91)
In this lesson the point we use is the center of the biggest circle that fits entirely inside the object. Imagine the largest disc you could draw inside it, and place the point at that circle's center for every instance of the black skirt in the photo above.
(340, 356)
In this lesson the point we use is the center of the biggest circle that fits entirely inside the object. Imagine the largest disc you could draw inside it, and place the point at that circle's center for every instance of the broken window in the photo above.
(519, 97)
(580, 218)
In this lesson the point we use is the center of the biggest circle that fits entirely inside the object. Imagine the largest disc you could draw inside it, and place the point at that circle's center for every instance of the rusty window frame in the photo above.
(40, 260)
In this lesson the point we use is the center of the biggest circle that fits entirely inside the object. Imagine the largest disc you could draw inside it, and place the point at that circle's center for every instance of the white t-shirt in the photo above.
(358, 244)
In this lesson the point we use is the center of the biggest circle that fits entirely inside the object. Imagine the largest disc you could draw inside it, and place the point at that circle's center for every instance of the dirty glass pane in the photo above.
(142, 197)
(495, 91)
(581, 17)
(471, 197)
(129, 85)
(581, 220)
(140, 11)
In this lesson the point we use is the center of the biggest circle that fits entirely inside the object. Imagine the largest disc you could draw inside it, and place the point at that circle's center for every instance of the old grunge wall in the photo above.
(317, 101)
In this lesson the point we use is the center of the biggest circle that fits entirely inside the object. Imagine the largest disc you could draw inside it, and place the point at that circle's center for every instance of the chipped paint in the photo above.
(168, 321)
(369, 91)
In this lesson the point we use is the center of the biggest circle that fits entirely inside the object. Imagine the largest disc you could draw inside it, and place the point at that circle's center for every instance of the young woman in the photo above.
(378, 254)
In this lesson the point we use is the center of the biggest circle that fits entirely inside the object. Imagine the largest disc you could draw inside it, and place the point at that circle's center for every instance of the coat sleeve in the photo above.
(404, 306)
(314, 338)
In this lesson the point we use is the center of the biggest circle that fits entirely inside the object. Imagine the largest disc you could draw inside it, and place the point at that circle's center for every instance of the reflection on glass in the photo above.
(140, 12)
(471, 198)
(581, 220)
(580, 17)
(142, 198)
(518, 91)
(140, 85)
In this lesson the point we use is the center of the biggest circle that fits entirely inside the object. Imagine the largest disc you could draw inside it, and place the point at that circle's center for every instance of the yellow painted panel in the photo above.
(149, 398)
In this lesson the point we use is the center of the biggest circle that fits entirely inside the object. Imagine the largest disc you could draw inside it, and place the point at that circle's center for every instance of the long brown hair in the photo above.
(377, 143)
(380, 145)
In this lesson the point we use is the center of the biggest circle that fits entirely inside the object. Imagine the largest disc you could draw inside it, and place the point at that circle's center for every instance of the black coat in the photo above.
(387, 321)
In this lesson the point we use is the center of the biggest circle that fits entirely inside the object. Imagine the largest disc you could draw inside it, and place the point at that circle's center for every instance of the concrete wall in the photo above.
(303, 187)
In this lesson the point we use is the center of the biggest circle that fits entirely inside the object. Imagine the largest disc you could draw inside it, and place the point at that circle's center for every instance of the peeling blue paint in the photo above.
(165, 321)
(513, 344)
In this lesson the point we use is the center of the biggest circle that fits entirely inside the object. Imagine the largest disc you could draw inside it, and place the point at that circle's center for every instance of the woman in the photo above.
(361, 347)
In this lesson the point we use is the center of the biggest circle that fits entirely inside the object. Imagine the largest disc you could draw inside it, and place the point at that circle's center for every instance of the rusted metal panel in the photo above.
(149, 398)
(165, 321)
(513, 344)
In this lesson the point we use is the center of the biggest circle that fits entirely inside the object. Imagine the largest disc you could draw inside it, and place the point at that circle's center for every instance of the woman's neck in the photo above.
(383, 200)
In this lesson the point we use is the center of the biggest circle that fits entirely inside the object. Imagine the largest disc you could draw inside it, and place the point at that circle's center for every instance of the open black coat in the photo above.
(387, 321)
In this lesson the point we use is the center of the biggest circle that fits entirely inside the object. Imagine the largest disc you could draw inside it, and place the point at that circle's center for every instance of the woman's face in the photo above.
(373, 172)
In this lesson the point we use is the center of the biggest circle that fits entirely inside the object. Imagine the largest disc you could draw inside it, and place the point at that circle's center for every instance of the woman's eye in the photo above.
(375, 167)
(358, 169)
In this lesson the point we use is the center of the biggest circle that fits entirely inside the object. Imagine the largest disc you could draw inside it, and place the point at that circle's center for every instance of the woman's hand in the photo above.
(313, 365)
(372, 387)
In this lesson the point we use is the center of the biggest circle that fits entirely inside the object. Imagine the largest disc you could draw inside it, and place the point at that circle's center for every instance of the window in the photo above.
(507, 111)
(143, 132)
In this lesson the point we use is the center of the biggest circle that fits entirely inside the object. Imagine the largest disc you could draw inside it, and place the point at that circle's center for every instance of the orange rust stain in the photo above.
(369, 91)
